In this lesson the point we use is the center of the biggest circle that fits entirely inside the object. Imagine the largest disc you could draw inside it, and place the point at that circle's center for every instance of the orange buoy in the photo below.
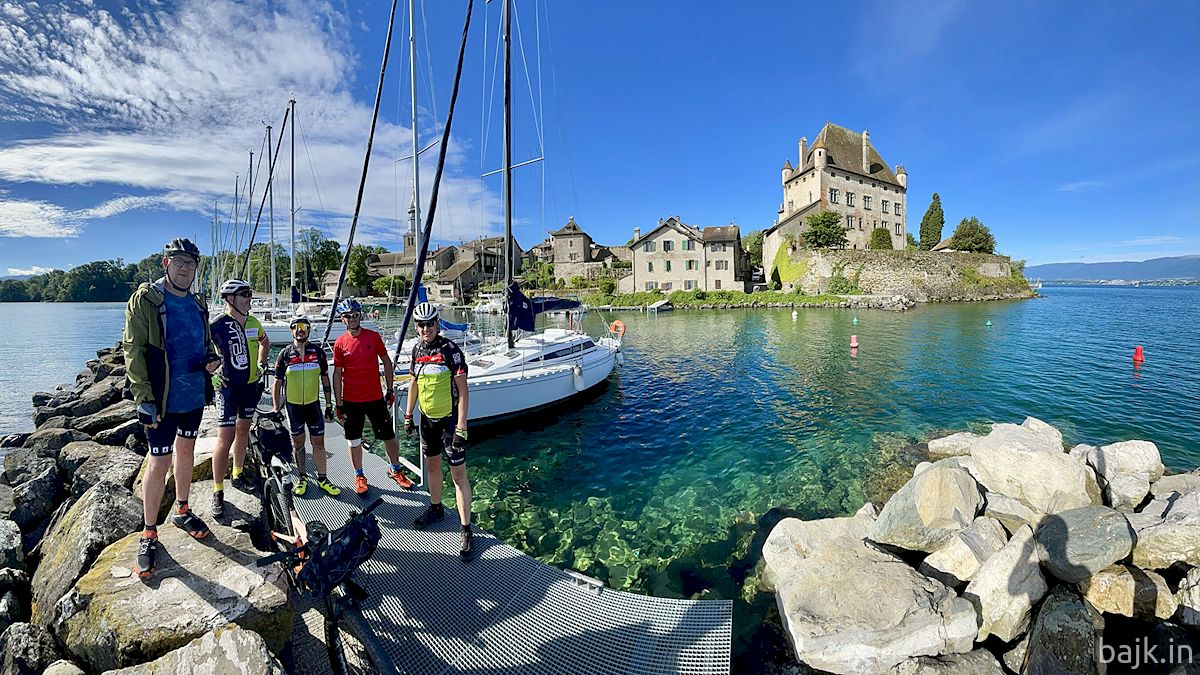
(617, 327)
(854, 342)
(1138, 355)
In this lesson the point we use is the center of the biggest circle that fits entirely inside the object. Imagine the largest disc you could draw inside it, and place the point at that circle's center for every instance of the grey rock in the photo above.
(1063, 639)
(955, 563)
(115, 414)
(56, 422)
(1014, 659)
(229, 649)
(21, 464)
(819, 569)
(119, 434)
(1080, 452)
(1009, 512)
(6, 501)
(1007, 586)
(1018, 437)
(978, 662)
(928, 510)
(1182, 483)
(47, 442)
(63, 667)
(95, 398)
(1045, 430)
(1187, 599)
(74, 454)
(954, 445)
(105, 620)
(1129, 591)
(16, 582)
(1125, 491)
(137, 443)
(27, 649)
(1174, 538)
(1152, 512)
(13, 440)
(1029, 467)
(46, 413)
(41, 398)
(104, 514)
(10, 610)
(34, 499)
(1075, 544)
(242, 511)
(1139, 458)
(11, 553)
(114, 464)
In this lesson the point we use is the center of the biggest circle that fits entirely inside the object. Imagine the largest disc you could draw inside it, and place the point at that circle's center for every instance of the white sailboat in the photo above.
(527, 372)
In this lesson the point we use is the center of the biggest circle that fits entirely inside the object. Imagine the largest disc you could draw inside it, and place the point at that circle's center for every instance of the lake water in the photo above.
(667, 479)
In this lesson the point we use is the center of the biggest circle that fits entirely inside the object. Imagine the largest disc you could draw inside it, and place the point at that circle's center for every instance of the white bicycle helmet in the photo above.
(302, 319)
(233, 286)
(426, 311)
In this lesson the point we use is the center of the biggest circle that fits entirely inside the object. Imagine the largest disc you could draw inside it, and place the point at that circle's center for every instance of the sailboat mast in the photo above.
(508, 261)
(292, 191)
(249, 205)
(416, 162)
(233, 224)
(271, 220)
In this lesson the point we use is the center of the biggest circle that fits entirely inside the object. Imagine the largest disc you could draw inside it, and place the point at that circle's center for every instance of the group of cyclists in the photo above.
(177, 362)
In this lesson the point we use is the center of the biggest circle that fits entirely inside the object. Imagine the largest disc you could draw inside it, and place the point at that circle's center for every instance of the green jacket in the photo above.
(144, 342)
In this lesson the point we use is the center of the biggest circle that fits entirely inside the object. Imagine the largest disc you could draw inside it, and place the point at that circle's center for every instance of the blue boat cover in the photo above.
(521, 309)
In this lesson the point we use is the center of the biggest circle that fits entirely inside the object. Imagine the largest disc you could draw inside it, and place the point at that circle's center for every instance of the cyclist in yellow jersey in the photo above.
(298, 370)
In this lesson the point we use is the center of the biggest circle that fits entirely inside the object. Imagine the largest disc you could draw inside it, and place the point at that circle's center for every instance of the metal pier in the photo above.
(504, 611)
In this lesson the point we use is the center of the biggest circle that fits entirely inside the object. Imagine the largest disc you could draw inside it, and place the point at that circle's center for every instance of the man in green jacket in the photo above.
(168, 355)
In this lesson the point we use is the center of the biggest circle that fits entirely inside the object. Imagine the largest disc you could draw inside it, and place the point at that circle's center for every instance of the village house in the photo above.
(451, 273)
(573, 253)
(675, 256)
(841, 172)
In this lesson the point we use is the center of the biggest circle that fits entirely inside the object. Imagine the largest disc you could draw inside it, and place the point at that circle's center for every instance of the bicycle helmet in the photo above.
(301, 320)
(426, 311)
(233, 287)
(348, 306)
(181, 246)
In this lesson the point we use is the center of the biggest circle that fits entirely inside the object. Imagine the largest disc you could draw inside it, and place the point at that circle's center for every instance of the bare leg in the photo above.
(154, 483)
(240, 441)
(462, 490)
(433, 466)
(220, 460)
(392, 448)
(185, 464)
(356, 454)
(298, 451)
(318, 453)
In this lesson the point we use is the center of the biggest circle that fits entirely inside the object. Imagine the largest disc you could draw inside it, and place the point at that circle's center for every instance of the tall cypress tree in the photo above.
(932, 223)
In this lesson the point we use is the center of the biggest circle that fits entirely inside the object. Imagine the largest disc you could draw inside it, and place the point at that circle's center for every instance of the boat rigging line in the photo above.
(270, 178)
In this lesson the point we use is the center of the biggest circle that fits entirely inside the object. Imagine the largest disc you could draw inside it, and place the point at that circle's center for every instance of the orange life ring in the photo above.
(617, 327)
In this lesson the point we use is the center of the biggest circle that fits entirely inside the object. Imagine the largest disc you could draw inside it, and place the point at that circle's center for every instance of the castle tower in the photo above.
(866, 152)
(902, 176)
(787, 170)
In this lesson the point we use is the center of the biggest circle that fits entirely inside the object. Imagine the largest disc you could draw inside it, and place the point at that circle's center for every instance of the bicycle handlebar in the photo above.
(295, 553)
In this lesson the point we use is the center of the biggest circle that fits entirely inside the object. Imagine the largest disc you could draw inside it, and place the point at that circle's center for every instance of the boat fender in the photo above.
(577, 375)
(617, 327)
(620, 358)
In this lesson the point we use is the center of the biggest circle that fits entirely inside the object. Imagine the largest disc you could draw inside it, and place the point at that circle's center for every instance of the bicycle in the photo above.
(319, 562)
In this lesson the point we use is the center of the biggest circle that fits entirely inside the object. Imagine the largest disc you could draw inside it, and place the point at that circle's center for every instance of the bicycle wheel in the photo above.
(278, 512)
(348, 655)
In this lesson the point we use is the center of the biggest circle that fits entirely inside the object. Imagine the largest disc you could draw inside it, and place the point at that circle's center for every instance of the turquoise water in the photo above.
(666, 479)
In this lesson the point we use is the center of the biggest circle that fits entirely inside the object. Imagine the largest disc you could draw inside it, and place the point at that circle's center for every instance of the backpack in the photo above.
(335, 556)
(272, 437)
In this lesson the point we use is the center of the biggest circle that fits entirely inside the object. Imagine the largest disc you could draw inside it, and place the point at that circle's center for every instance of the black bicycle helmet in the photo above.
(181, 246)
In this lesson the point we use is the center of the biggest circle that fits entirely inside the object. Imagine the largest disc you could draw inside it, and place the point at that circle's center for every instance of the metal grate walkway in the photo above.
(505, 612)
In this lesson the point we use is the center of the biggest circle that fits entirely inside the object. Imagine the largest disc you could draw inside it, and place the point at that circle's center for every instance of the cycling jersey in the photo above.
(254, 333)
(301, 371)
(433, 368)
(230, 340)
(358, 357)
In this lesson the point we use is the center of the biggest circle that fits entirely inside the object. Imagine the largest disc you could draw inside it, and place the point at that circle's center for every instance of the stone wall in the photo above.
(922, 275)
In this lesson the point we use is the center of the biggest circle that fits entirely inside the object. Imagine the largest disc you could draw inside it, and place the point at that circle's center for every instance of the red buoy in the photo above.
(853, 341)
(1138, 356)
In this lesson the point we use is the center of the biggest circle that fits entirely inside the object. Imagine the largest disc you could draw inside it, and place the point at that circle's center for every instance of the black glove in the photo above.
(409, 427)
(328, 413)
(341, 414)
(390, 398)
(147, 413)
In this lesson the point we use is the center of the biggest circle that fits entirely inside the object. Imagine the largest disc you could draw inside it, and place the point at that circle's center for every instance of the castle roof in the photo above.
(570, 228)
(722, 233)
(843, 150)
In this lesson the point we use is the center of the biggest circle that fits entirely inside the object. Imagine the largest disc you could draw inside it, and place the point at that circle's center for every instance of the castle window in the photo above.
(689, 245)
(648, 247)
(833, 195)
(570, 243)
(884, 206)
(860, 224)
(849, 222)
(718, 248)
(666, 286)
(689, 285)
(849, 199)
(668, 245)
(649, 267)
(866, 202)
(897, 228)
(573, 256)
(651, 285)
(897, 208)
(722, 265)
(666, 265)
(791, 206)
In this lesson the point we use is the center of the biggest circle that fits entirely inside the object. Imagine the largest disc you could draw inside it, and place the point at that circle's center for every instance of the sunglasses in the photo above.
(352, 315)
(245, 294)
(426, 324)
(184, 263)
(300, 328)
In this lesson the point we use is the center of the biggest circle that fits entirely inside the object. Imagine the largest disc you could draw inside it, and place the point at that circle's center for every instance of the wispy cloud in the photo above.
(21, 218)
(1154, 241)
(1081, 186)
(168, 103)
(18, 272)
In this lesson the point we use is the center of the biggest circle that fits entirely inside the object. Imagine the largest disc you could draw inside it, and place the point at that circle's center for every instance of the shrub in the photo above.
(824, 230)
(608, 286)
(881, 240)
(973, 236)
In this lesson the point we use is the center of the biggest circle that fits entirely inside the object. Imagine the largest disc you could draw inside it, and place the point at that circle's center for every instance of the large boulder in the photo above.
(820, 568)
(97, 397)
(1007, 586)
(1188, 599)
(1063, 639)
(34, 499)
(928, 510)
(1080, 452)
(1129, 591)
(108, 418)
(47, 442)
(1182, 483)
(1126, 491)
(104, 514)
(120, 433)
(1174, 538)
(74, 454)
(22, 464)
(63, 667)
(1139, 458)
(1009, 512)
(1046, 431)
(11, 552)
(27, 650)
(1073, 545)
(955, 563)
(954, 445)
(243, 511)
(228, 649)
(111, 619)
(114, 464)
(978, 662)
(6, 501)
(1028, 466)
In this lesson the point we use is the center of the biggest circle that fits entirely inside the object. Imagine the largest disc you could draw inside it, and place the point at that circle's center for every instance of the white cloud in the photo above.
(1154, 241)
(168, 104)
(18, 272)
(1081, 186)
(21, 218)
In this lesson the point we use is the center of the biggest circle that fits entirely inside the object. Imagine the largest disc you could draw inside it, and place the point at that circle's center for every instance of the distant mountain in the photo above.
(1178, 267)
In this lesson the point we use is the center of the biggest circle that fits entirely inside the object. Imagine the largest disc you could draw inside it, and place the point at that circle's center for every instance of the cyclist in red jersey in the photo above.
(356, 390)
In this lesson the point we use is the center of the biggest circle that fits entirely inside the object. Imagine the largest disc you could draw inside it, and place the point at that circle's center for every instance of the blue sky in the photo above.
(1072, 130)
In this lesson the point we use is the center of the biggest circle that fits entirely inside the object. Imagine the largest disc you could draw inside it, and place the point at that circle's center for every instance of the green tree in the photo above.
(13, 290)
(932, 224)
(881, 240)
(608, 286)
(356, 274)
(973, 236)
(824, 231)
(753, 243)
(147, 269)
(321, 253)
(98, 281)
(911, 243)
(540, 275)
(395, 286)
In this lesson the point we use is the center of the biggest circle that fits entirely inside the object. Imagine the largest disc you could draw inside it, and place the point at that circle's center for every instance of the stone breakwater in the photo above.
(1003, 553)
(70, 514)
